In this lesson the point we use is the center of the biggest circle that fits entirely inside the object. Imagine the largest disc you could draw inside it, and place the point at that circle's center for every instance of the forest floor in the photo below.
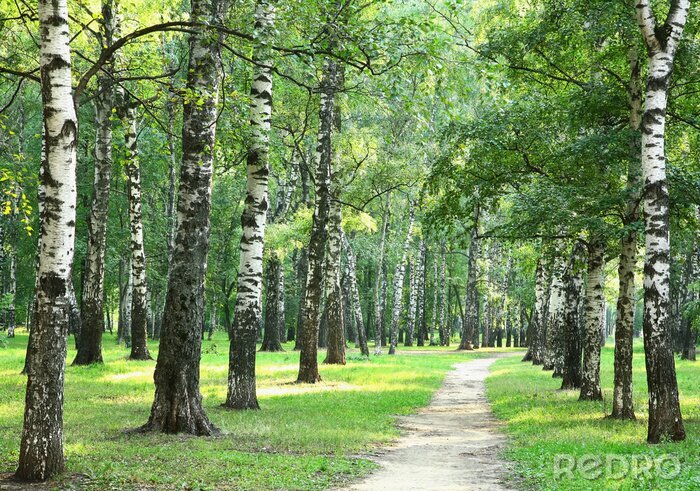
(550, 428)
(305, 437)
(453, 444)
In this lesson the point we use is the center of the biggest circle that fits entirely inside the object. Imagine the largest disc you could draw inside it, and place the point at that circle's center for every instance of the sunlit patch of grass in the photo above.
(545, 422)
(305, 436)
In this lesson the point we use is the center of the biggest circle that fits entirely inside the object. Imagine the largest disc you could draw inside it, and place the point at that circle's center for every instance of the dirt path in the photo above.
(453, 444)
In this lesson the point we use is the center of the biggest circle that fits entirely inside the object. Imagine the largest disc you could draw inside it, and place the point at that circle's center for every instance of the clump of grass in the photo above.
(545, 422)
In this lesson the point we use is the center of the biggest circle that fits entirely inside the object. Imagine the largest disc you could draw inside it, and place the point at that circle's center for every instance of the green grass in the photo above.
(544, 422)
(305, 437)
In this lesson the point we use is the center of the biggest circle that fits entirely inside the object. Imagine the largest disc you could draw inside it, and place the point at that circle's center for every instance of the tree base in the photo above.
(665, 430)
(308, 378)
(241, 405)
(178, 412)
(272, 349)
(622, 415)
(140, 356)
(590, 395)
(85, 359)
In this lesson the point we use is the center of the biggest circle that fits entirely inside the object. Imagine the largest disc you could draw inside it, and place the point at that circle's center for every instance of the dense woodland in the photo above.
(347, 173)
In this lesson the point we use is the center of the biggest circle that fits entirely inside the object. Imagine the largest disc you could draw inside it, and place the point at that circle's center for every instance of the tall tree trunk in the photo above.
(248, 309)
(420, 310)
(139, 288)
(41, 447)
(334, 302)
(379, 313)
(665, 420)
(348, 316)
(443, 328)
(92, 308)
(573, 283)
(623, 401)
(471, 301)
(537, 327)
(12, 287)
(398, 285)
(357, 307)
(126, 305)
(177, 405)
(594, 312)
(170, 209)
(308, 362)
(413, 292)
(555, 317)
(485, 339)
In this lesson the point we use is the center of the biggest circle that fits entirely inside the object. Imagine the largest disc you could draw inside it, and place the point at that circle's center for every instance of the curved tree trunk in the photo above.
(177, 405)
(665, 420)
(398, 286)
(92, 307)
(248, 310)
(594, 312)
(308, 362)
(41, 447)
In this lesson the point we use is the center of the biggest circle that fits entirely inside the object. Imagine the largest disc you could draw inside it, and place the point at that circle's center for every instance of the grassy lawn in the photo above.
(545, 422)
(305, 437)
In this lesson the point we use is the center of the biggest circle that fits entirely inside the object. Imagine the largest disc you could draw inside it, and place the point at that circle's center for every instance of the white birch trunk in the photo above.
(248, 309)
(399, 273)
(41, 448)
(139, 286)
(662, 42)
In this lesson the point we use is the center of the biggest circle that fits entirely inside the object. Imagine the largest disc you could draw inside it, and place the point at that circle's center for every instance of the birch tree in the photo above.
(594, 312)
(335, 354)
(471, 302)
(355, 297)
(555, 316)
(571, 339)
(412, 301)
(177, 405)
(92, 308)
(41, 447)
(378, 311)
(248, 309)
(308, 363)
(399, 273)
(139, 287)
(662, 41)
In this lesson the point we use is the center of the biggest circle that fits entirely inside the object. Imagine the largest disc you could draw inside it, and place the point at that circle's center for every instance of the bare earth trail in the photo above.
(453, 444)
